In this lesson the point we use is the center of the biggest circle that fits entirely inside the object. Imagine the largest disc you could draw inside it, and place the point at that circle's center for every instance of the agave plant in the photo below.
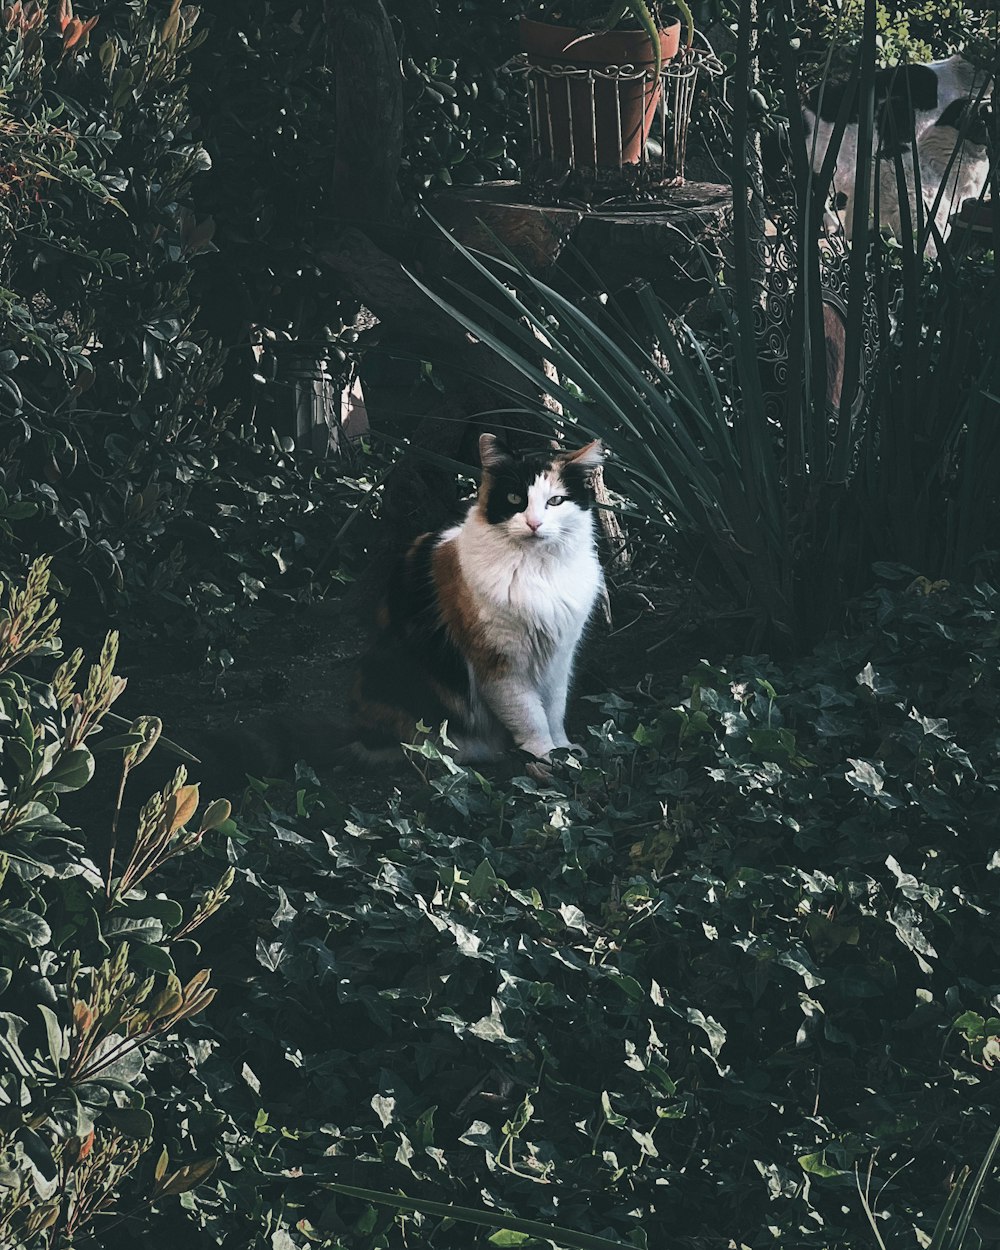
(781, 507)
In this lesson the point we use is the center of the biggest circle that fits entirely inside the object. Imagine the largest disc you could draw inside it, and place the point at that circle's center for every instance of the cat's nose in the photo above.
(533, 525)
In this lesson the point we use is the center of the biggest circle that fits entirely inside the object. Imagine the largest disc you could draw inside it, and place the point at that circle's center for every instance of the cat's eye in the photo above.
(556, 500)
(517, 500)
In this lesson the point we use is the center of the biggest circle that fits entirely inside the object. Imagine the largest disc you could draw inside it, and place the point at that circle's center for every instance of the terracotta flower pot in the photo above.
(600, 124)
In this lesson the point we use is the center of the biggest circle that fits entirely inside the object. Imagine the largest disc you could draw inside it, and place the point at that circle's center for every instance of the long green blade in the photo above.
(484, 1219)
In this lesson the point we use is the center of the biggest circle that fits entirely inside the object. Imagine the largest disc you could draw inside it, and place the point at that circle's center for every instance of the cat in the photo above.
(908, 100)
(954, 164)
(481, 622)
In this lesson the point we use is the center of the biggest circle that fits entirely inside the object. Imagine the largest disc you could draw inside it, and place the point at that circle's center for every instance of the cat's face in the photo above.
(543, 497)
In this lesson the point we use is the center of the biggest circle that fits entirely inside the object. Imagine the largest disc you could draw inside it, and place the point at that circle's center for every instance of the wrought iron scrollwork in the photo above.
(775, 311)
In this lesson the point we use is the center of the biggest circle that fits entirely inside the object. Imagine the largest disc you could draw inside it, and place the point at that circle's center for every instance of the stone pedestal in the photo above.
(612, 244)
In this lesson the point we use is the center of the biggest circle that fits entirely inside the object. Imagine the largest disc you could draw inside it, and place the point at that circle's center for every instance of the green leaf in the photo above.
(629, 986)
(136, 930)
(483, 882)
(817, 1165)
(972, 1024)
(117, 742)
(20, 511)
(24, 926)
(72, 770)
(186, 1178)
(11, 1027)
(612, 1116)
(58, 1038)
(131, 1121)
(573, 917)
(171, 747)
(149, 955)
(163, 909)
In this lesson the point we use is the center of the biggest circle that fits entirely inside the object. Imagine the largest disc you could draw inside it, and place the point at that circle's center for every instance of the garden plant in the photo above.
(727, 982)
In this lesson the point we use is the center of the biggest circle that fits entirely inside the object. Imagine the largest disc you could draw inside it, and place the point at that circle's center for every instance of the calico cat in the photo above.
(908, 100)
(481, 622)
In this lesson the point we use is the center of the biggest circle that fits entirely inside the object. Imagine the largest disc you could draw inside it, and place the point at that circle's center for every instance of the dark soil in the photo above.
(285, 697)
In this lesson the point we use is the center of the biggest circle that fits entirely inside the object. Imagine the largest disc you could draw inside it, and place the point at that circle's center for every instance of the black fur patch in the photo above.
(576, 480)
(973, 120)
(511, 478)
(954, 114)
(515, 474)
(829, 97)
(916, 84)
(899, 92)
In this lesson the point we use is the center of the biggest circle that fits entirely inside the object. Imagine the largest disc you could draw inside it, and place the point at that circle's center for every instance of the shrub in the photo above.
(910, 32)
(465, 119)
(106, 383)
(90, 954)
(265, 93)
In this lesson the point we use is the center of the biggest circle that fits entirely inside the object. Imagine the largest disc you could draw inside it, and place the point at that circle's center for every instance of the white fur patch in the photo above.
(957, 78)
(950, 172)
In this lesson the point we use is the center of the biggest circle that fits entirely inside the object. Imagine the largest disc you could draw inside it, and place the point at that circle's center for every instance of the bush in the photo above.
(106, 383)
(466, 121)
(263, 90)
(91, 955)
(905, 33)
(678, 996)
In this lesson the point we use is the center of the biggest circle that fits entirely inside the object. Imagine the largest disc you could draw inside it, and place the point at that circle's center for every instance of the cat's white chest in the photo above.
(532, 603)
(552, 598)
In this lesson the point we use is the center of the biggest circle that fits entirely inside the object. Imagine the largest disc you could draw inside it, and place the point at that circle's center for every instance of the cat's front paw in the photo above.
(539, 767)
(539, 771)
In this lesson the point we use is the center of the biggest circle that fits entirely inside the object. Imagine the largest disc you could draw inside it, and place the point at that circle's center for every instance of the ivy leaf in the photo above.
(573, 917)
(816, 1164)
(712, 1028)
(865, 777)
(270, 955)
(384, 1108)
(483, 882)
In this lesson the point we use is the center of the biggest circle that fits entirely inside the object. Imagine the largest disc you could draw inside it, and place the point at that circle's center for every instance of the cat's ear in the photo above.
(588, 457)
(491, 451)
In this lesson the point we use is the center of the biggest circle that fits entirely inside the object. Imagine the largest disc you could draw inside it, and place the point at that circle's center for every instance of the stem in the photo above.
(114, 832)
